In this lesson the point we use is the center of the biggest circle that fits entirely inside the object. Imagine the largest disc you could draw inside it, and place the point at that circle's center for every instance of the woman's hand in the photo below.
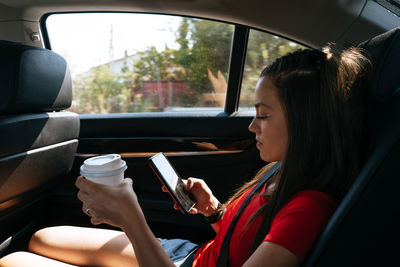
(206, 203)
(107, 204)
(118, 206)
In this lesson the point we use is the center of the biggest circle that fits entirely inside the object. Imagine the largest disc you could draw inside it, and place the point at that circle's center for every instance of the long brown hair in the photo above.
(321, 94)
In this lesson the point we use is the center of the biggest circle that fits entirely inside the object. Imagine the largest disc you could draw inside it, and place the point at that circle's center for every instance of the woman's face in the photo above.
(269, 124)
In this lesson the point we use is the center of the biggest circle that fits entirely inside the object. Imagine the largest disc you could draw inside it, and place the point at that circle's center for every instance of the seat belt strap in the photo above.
(223, 257)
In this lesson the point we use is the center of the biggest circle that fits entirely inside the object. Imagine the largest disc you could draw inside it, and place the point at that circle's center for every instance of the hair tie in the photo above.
(327, 52)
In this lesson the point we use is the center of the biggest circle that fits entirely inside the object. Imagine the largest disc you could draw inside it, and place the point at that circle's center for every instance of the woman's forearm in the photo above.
(147, 247)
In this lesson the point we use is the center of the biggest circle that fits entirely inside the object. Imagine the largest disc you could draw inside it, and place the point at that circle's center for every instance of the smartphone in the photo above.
(171, 180)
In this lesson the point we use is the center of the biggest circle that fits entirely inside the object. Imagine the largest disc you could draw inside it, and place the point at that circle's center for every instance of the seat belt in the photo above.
(223, 257)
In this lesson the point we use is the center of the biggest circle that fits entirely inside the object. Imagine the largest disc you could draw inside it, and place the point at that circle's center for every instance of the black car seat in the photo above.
(365, 229)
(38, 141)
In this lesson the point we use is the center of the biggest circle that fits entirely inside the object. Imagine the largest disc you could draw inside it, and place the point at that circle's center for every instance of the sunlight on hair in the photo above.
(328, 52)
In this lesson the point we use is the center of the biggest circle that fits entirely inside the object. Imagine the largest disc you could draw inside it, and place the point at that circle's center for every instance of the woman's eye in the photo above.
(262, 117)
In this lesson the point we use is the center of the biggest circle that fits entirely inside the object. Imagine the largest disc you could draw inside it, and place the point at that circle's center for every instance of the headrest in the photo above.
(384, 51)
(32, 79)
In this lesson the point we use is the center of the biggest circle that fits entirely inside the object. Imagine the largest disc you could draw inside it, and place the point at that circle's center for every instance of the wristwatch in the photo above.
(217, 215)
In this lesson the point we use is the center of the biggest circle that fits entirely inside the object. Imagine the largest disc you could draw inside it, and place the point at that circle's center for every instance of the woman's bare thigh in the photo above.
(84, 246)
(26, 259)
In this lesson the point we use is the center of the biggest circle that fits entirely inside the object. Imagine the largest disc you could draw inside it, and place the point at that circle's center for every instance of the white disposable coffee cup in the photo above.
(107, 169)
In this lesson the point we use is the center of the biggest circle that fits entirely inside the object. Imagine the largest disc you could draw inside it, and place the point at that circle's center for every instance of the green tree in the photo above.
(208, 46)
(156, 66)
(100, 91)
(263, 48)
(182, 54)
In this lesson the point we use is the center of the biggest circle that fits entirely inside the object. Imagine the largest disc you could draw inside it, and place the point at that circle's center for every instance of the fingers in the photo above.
(95, 221)
(86, 210)
(87, 187)
(100, 201)
(84, 184)
(193, 181)
(78, 182)
(128, 181)
(189, 184)
(193, 211)
(83, 196)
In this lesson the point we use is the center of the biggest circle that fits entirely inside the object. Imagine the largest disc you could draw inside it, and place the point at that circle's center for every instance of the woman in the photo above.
(307, 118)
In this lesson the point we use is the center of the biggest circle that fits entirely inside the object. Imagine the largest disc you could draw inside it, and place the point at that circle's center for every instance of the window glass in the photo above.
(125, 62)
(262, 49)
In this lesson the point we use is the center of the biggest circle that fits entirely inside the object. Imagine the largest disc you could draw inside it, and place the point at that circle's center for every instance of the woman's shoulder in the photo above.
(298, 224)
(311, 200)
(313, 194)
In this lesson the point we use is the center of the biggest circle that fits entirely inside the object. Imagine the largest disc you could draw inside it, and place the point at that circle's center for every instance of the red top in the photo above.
(295, 227)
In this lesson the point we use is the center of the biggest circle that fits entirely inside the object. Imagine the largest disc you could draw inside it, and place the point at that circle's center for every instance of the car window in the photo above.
(262, 49)
(127, 62)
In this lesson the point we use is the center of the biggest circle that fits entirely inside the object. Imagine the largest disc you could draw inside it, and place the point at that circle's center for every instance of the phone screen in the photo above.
(171, 180)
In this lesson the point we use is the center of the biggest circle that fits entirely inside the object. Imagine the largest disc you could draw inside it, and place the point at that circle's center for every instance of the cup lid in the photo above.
(100, 166)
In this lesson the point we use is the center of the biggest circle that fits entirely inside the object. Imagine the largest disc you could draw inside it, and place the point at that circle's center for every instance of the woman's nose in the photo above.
(252, 126)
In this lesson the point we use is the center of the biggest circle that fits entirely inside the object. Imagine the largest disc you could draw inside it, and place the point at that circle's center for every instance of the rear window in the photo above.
(262, 49)
(126, 62)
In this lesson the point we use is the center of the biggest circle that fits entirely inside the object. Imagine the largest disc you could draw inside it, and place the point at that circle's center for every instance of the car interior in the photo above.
(44, 142)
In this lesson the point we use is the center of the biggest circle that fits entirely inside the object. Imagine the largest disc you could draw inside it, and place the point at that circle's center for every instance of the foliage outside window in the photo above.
(262, 49)
(186, 66)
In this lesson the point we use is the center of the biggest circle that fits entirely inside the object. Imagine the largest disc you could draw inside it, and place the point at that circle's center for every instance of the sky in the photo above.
(84, 39)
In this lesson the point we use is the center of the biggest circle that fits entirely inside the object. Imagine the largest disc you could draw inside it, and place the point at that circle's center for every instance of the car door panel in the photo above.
(219, 150)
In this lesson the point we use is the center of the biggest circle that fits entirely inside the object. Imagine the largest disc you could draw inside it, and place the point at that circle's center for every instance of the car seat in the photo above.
(364, 231)
(38, 141)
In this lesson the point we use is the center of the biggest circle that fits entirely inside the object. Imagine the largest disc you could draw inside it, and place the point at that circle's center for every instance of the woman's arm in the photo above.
(206, 202)
(118, 206)
(147, 247)
(269, 254)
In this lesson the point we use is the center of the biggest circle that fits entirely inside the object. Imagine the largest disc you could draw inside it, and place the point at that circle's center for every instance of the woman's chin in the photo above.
(268, 158)
(265, 157)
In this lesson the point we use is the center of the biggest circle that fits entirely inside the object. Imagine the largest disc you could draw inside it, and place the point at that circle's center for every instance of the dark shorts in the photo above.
(179, 251)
